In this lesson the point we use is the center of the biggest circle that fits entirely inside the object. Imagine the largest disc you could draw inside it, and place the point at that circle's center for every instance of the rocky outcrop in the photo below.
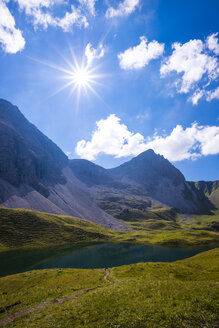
(207, 187)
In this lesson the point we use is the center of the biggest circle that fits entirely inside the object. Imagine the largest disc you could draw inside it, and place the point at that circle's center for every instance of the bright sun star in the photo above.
(78, 77)
(81, 77)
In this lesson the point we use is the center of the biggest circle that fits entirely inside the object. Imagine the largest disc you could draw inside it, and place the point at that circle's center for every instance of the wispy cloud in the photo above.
(113, 138)
(124, 8)
(144, 116)
(90, 5)
(214, 94)
(92, 53)
(212, 43)
(139, 56)
(196, 64)
(11, 39)
(41, 14)
(36, 9)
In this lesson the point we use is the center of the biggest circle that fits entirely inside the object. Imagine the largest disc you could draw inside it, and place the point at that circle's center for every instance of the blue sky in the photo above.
(147, 72)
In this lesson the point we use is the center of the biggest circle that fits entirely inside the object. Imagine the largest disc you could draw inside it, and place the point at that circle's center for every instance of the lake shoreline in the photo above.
(92, 255)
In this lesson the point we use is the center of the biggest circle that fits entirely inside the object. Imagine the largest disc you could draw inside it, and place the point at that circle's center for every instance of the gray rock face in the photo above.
(36, 174)
(90, 173)
(162, 181)
(26, 154)
(147, 169)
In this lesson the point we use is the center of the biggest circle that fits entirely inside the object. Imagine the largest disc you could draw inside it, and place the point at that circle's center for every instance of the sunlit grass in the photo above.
(27, 229)
(178, 294)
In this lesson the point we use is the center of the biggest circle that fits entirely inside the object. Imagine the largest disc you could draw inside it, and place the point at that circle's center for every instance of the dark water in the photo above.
(91, 256)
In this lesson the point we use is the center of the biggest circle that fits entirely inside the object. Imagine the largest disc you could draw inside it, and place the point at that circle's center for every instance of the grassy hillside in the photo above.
(192, 230)
(168, 295)
(26, 229)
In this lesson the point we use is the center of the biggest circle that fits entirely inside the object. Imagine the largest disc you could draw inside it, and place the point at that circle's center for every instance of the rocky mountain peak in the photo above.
(148, 169)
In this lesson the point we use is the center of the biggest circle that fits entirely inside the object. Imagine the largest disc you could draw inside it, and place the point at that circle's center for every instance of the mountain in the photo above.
(36, 174)
(159, 179)
(26, 154)
(90, 173)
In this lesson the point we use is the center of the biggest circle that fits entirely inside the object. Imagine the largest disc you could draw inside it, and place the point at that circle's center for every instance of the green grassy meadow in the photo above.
(20, 228)
(178, 294)
(182, 294)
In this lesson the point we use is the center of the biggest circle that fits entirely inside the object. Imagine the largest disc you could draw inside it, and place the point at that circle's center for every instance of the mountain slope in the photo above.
(24, 228)
(160, 180)
(90, 173)
(210, 189)
(27, 155)
(35, 174)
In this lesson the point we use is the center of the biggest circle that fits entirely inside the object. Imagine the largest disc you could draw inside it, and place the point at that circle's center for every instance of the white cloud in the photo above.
(11, 38)
(41, 13)
(208, 95)
(213, 44)
(71, 18)
(36, 9)
(29, 5)
(110, 137)
(198, 94)
(124, 8)
(190, 60)
(189, 143)
(196, 64)
(92, 53)
(113, 138)
(213, 94)
(90, 4)
(139, 56)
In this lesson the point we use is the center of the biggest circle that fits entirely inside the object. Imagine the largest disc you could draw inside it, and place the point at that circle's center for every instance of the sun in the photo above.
(81, 77)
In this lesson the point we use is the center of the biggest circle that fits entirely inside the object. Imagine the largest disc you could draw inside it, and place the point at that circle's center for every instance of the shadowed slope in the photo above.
(160, 180)
(34, 173)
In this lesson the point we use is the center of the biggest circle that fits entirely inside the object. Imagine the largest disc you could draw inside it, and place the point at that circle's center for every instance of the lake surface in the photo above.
(90, 255)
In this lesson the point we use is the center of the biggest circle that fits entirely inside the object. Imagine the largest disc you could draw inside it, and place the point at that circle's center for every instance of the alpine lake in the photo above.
(91, 255)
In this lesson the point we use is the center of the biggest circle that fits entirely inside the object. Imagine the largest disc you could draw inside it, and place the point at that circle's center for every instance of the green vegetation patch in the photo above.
(21, 228)
(178, 295)
(25, 228)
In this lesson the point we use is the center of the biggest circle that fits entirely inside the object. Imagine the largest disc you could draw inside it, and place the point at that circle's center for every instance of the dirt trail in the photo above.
(106, 276)
(45, 304)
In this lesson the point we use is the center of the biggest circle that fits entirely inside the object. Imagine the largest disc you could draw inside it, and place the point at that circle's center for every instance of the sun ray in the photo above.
(80, 76)
(58, 68)
(65, 86)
